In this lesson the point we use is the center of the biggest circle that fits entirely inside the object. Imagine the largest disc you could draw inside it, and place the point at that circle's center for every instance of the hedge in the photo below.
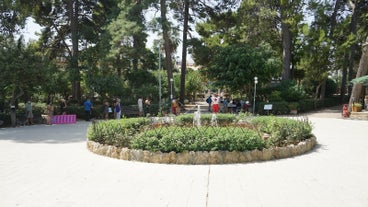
(238, 133)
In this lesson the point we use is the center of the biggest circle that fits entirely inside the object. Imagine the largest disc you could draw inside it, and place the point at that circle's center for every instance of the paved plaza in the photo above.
(50, 166)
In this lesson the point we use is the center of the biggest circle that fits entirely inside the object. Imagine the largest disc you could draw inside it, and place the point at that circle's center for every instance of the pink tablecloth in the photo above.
(64, 119)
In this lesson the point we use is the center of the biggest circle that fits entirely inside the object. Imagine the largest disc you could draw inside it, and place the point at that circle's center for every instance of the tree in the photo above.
(13, 14)
(362, 70)
(193, 84)
(167, 45)
(235, 66)
(128, 36)
(66, 21)
(258, 24)
(316, 49)
(22, 70)
(186, 11)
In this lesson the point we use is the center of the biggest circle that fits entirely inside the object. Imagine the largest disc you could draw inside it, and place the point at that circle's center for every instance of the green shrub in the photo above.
(116, 132)
(283, 131)
(179, 139)
(238, 133)
(280, 107)
(331, 87)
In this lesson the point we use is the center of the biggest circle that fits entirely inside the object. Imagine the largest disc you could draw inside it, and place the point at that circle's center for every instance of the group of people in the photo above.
(50, 110)
(116, 108)
(147, 104)
(218, 104)
(48, 113)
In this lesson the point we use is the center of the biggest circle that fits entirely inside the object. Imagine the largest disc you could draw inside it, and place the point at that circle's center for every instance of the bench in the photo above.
(130, 111)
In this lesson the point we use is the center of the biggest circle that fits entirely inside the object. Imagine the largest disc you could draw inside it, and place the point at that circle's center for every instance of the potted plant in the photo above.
(357, 107)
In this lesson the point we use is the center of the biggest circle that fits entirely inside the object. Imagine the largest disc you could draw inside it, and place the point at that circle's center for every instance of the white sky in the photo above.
(29, 32)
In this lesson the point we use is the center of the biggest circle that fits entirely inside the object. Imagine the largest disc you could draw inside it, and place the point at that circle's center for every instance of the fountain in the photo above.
(197, 117)
(214, 119)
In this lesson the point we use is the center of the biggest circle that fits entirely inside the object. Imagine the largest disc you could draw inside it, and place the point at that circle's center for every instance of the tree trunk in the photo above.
(138, 41)
(286, 45)
(13, 115)
(322, 94)
(167, 46)
(362, 70)
(331, 37)
(184, 51)
(353, 30)
(73, 12)
(344, 78)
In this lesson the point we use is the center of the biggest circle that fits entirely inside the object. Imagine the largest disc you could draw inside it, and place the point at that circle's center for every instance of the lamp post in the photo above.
(171, 92)
(254, 97)
(159, 76)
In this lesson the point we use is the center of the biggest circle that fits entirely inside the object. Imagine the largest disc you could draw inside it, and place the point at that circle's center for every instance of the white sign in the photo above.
(267, 107)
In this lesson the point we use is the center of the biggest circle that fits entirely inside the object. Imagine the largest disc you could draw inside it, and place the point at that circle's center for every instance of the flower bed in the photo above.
(235, 139)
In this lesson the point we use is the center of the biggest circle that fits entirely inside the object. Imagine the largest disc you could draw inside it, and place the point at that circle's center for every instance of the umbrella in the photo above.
(363, 80)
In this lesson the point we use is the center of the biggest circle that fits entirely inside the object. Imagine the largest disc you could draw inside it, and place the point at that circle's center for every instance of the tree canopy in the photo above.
(100, 47)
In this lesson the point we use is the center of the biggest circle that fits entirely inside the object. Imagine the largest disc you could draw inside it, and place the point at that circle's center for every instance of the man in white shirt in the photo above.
(140, 106)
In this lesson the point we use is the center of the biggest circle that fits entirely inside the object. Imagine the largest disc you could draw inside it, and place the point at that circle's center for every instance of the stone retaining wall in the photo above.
(199, 158)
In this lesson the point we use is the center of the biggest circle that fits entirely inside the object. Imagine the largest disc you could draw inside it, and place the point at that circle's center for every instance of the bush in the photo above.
(239, 133)
(280, 107)
(116, 132)
(171, 138)
(283, 131)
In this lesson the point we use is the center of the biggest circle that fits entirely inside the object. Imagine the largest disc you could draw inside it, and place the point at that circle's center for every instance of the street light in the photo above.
(254, 97)
(159, 75)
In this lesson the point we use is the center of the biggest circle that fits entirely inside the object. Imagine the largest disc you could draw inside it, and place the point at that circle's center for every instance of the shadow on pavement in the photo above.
(54, 134)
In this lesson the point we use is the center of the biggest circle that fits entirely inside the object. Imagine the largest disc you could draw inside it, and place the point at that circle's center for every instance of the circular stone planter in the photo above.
(202, 158)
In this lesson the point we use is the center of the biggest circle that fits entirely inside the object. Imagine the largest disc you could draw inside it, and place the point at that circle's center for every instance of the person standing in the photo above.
(215, 103)
(106, 110)
(63, 106)
(29, 113)
(87, 109)
(147, 103)
(226, 102)
(118, 109)
(209, 101)
(50, 113)
(140, 106)
(174, 106)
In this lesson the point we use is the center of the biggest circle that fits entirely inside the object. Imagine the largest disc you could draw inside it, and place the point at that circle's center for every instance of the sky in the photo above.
(30, 30)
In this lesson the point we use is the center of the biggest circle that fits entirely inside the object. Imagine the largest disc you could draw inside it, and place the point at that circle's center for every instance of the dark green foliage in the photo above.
(307, 105)
(290, 91)
(304, 105)
(235, 66)
(239, 133)
(116, 132)
(283, 131)
(331, 87)
(278, 108)
(176, 139)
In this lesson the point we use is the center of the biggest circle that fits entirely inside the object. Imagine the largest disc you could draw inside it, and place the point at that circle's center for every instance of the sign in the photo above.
(267, 107)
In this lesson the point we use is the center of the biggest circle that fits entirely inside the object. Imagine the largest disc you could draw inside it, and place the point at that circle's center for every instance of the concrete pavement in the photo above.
(47, 166)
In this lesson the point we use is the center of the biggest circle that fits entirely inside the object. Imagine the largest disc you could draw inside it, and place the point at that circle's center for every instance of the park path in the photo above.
(49, 166)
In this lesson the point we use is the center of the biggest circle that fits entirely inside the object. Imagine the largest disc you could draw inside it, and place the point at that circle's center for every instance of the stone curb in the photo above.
(202, 158)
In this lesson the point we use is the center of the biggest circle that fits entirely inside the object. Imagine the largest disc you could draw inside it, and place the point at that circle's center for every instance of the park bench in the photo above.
(130, 111)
